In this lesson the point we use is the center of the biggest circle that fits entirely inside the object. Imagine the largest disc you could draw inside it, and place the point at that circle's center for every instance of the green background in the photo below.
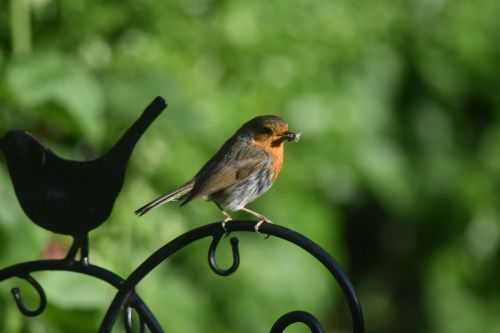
(397, 174)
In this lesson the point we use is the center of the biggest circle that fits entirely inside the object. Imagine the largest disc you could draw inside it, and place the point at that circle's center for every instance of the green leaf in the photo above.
(50, 77)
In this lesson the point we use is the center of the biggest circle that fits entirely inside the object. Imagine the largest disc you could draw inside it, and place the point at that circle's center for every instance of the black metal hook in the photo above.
(129, 328)
(297, 317)
(211, 256)
(19, 300)
(25, 269)
(215, 231)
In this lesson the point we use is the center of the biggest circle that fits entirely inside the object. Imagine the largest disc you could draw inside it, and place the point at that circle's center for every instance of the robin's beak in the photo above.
(290, 136)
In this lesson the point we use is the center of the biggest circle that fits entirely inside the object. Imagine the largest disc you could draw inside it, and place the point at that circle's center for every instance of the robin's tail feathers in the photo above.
(172, 196)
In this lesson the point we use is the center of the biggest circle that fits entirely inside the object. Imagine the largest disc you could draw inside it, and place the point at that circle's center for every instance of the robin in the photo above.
(244, 168)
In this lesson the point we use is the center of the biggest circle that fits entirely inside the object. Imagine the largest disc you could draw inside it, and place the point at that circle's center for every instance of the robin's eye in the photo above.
(267, 131)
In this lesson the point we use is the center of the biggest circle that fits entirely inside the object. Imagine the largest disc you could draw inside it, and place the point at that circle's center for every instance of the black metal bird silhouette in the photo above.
(71, 197)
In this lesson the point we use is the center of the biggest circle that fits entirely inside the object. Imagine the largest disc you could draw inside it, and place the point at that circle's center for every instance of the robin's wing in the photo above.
(229, 171)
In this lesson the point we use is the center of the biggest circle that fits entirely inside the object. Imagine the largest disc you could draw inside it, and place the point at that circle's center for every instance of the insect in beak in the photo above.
(291, 137)
(288, 136)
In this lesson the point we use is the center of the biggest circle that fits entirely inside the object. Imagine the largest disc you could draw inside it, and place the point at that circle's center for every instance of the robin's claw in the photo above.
(227, 218)
(261, 218)
(258, 224)
(223, 224)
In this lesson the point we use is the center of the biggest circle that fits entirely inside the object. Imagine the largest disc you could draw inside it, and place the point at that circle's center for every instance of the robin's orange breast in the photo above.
(276, 153)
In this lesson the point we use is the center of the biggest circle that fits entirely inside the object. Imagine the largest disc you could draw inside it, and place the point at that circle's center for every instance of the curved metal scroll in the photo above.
(19, 300)
(23, 271)
(297, 317)
(215, 230)
(211, 256)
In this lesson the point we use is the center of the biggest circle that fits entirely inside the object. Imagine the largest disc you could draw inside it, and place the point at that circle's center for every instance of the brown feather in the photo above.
(228, 172)
(176, 194)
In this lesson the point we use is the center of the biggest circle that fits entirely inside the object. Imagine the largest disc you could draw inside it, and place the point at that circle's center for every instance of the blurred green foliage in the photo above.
(397, 174)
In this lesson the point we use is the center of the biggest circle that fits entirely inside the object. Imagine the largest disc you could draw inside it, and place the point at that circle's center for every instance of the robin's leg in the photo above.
(261, 218)
(227, 217)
